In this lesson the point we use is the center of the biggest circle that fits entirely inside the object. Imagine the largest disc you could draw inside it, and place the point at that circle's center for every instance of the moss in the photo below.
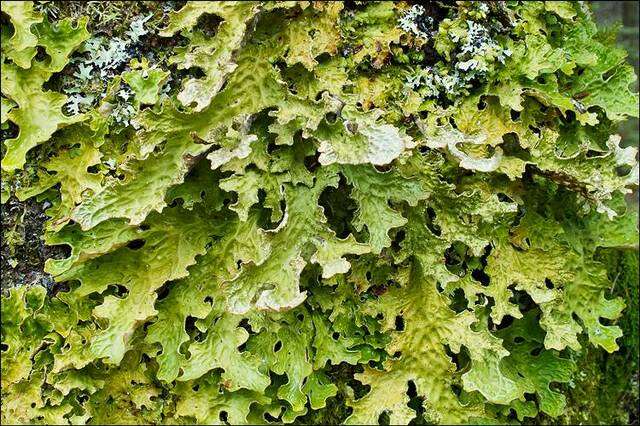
(111, 18)
(606, 388)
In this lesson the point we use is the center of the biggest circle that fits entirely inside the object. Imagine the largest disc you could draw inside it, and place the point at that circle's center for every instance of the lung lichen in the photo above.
(316, 212)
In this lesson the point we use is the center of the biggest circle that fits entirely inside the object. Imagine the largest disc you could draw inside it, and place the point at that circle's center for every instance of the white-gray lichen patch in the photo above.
(416, 22)
(362, 142)
(99, 60)
(469, 52)
(451, 138)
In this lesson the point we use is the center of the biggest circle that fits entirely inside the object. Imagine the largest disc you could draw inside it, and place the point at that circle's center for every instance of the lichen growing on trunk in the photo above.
(316, 212)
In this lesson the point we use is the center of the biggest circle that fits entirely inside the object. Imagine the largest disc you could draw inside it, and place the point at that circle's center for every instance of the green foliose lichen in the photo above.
(319, 212)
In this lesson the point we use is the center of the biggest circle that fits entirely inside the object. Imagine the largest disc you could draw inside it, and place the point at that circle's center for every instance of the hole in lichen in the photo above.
(11, 130)
(6, 25)
(383, 418)
(456, 389)
(199, 336)
(399, 323)
(272, 147)
(119, 290)
(623, 170)
(607, 75)
(208, 24)
(504, 198)
(136, 244)
(269, 418)
(458, 302)
(605, 321)
(245, 324)
(455, 256)
(379, 289)
(430, 222)
(331, 117)
(507, 320)
(481, 276)
(159, 148)
(339, 208)
(277, 346)
(522, 299)
(383, 168)
(398, 239)
(359, 389)
(190, 324)
(163, 291)
(41, 54)
(311, 162)
(461, 359)
(60, 287)
(570, 117)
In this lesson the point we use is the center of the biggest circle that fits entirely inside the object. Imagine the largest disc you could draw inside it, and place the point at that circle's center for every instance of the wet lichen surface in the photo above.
(316, 213)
